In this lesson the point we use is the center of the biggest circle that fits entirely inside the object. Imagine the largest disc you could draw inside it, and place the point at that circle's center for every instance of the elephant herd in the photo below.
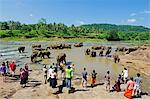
(38, 51)
(92, 51)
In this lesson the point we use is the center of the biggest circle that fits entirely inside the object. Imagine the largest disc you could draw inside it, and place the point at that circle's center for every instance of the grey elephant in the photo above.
(42, 54)
(21, 49)
(116, 58)
(87, 52)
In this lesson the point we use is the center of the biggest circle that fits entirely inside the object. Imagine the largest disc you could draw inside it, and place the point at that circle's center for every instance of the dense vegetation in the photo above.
(98, 31)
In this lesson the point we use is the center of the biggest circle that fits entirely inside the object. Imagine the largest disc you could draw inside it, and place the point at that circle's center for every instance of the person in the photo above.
(125, 72)
(54, 66)
(3, 71)
(53, 79)
(107, 81)
(118, 82)
(12, 67)
(69, 75)
(7, 66)
(26, 72)
(93, 78)
(122, 77)
(49, 74)
(45, 74)
(84, 78)
(73, 68)
(137, 87)
(23, 77)
(129, 88)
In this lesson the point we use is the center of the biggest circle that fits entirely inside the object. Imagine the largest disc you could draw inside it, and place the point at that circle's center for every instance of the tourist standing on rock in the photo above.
(3, 71)
(23, 77)
(84, 78)
(125, 72)
(137, 87)
(45, 74)
(12, 67)
(53, 79)
(129, 88)
(107, 81)
(69, 75)
(93, 80)
(49, 75)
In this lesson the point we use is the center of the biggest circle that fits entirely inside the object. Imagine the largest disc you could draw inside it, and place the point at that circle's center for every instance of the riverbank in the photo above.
(135, 42)
(36, 89)
(56, 39)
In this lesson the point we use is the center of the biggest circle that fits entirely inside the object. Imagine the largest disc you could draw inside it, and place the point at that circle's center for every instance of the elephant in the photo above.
(21, 49)
(42, 54)
(108, 52)
(87, 52)
(116, 58)
(98, 47)
(61, 58)
(36, 45)
(55, 46)
(33, 56)
(93, 54)
(121, 49)
(66, 46)
(78, 44)
(131, 49)
(101, 53)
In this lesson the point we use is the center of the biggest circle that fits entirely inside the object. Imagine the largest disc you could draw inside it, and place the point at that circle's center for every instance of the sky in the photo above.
(78, 12)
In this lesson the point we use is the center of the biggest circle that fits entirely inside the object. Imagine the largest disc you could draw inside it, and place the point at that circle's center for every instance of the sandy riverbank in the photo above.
(36, 89)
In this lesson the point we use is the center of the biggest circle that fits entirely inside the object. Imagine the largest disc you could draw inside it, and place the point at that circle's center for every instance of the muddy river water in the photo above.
(8, 51)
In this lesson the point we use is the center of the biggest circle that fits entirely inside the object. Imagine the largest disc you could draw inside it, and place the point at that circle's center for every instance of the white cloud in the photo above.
(147, 11)
(31, 15)
(133, 14)
(131, 20)
(81, 22)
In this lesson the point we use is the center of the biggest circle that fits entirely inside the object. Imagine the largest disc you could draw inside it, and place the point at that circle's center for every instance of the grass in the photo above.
(74, 40)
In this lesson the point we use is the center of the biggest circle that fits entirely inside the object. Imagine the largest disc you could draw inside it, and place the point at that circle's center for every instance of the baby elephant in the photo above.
(21, 49)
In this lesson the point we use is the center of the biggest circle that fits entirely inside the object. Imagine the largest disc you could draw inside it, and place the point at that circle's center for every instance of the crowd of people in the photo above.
(8, 69)
(133, 85)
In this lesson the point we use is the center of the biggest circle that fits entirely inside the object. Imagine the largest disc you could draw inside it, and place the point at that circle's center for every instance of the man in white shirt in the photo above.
(125, 71)
(49, 74)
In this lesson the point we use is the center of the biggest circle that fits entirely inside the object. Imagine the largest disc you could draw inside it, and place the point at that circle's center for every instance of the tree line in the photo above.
(98, 31)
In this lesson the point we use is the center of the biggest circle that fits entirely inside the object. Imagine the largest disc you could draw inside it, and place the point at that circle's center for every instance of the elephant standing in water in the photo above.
(93, 54)
(61, 58)
(87, 52)
(42, 54)
(21, 49)
(108, 51)
(34, 56)
(101, 53)
(116, 58)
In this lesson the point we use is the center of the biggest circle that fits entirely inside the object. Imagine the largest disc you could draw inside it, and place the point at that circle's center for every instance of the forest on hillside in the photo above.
(99, 31)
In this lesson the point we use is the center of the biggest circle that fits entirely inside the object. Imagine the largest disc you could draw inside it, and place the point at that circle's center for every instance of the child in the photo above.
(107, 81)
(93, 78)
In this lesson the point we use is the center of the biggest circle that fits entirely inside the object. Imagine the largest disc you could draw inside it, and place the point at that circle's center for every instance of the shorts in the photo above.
(137, 87)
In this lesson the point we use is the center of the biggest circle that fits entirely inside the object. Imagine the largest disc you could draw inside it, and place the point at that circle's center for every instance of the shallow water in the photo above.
(8, 51)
